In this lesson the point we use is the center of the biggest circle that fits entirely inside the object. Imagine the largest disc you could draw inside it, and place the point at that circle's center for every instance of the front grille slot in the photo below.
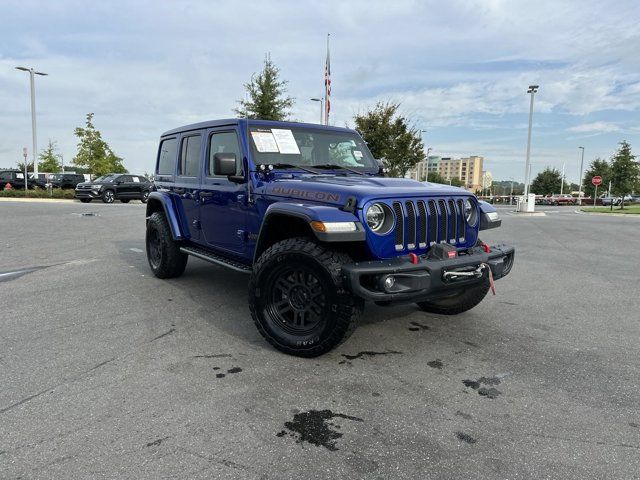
(443, 223)
(422, 228)
(433, 223)
(453, 223)
(461, 228)
(397, 210)
(411, 225)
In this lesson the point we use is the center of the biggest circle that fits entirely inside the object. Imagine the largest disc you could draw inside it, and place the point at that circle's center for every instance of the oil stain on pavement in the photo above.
(361, 355)
(437, 363)
(232, 370)
(490, 392)
(314, 427)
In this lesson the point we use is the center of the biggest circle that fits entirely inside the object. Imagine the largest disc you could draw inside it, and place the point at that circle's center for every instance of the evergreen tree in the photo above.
(548, 182)
(94, 153)
(267, 100)
(624, 171)
(389, 136)
(600, 168)
(50, 160)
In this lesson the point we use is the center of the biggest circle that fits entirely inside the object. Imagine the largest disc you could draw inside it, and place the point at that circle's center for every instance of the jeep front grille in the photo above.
(421, 223)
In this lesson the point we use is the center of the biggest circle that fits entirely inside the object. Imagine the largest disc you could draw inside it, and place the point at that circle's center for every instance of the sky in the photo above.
(459, 69)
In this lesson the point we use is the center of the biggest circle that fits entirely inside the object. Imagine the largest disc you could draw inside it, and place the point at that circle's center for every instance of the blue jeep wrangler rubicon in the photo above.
(306, 211)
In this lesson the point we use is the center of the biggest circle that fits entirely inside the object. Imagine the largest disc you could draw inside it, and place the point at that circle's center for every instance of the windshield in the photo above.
(55, 176)
(105, 178)
(309, 147)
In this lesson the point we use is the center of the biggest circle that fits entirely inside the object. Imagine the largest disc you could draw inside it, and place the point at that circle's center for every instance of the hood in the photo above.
(335, 189)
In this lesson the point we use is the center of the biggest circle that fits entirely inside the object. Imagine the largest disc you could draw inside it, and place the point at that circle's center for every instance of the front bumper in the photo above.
(85, 193)
(429, 278)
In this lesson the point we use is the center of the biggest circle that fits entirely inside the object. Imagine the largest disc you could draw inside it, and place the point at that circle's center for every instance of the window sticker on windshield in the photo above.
(357, 154)
(264, 142)
(20, 175)
(286, 142)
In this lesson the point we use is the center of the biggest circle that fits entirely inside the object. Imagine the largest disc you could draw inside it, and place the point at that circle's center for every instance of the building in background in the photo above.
(468, 170)
(487, 181)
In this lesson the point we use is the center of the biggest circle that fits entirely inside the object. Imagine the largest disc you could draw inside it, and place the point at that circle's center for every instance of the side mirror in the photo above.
(381, 168)
(225, 164)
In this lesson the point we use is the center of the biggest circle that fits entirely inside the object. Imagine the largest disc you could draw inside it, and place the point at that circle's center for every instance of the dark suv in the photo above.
(65, 180)
(123, 187)
(15, 178)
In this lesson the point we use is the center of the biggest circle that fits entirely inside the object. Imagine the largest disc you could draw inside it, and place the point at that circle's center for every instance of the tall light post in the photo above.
(562, 178)
(426, 179)
(32, 74)
(580, 184)
(532, 90)
(321, 106)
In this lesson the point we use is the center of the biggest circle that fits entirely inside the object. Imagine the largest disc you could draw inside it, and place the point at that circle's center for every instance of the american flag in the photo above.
(327, 86)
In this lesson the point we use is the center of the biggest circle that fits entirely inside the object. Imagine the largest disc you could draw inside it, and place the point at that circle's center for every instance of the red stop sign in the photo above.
(597, 180)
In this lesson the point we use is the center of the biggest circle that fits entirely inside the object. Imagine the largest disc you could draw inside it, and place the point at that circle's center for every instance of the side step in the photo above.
(207, 256)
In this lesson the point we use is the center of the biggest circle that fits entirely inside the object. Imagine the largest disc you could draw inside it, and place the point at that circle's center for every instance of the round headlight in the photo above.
(470, 212)
(375, 217)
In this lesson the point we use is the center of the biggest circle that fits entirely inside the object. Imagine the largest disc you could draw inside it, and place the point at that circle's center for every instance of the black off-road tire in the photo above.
(108, 196)
(460, 301)
(331, 319)
(163, 252)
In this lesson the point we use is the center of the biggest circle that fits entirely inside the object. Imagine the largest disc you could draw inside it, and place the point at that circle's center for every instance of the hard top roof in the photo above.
(241, 121)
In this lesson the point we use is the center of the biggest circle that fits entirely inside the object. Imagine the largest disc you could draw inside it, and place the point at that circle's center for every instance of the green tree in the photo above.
(624, 171)
(456, 182)
(435, 177)
(389, 137)
(94, 153)
(267, 100)
(50, 160)
(29, 166)
(597, 167)
(548, 182)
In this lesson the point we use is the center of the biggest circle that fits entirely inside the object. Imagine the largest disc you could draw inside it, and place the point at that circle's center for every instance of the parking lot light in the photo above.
(32, 73)
(580, 184)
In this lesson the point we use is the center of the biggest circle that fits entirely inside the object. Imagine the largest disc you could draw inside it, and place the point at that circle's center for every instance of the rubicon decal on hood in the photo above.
(306, 194)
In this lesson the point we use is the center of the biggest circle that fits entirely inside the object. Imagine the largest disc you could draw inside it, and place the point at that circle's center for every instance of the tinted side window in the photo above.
(190, 156)
(167, 157)
(224, 142)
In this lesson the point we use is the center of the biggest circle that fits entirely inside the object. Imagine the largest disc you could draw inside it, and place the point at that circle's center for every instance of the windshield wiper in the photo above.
(289, 165)
(330, 166)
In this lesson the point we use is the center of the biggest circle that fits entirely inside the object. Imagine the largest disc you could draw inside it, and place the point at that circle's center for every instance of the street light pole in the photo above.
(580, 185)
(426, 178)
(562, 179)
(532, 90)
(321, 106)
(32, 74)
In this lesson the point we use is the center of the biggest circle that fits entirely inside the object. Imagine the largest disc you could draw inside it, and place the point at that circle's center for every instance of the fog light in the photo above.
(389, 282)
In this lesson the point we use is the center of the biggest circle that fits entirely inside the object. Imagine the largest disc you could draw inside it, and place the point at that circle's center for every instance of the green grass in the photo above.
(631, 210)
(39, 193)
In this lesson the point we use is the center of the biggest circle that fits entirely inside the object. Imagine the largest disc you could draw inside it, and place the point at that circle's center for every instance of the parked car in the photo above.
(561, 199)
(306, 212)
(115, 186)
(65, 180)
(607, 200)
(15, 178)
(39, 181)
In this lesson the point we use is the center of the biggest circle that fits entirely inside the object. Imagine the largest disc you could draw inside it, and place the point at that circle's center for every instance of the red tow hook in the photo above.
(486, 247)
(413, 258)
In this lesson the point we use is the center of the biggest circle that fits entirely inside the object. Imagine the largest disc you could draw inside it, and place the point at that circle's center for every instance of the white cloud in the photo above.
(597, 127)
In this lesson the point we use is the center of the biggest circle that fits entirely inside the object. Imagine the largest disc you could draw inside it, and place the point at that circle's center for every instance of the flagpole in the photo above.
(327, 85)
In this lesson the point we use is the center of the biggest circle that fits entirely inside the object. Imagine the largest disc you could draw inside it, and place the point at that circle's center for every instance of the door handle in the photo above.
(206, 194)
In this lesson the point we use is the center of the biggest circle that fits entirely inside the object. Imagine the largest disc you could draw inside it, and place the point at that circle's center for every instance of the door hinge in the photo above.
(196, 225)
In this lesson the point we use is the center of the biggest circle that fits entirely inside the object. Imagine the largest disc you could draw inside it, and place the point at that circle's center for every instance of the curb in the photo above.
(630, 215)
(33, 200)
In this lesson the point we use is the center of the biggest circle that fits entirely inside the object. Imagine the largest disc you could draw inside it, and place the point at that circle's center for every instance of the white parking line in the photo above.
(137, 250)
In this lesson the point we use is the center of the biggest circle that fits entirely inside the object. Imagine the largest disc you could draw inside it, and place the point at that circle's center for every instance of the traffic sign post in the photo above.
(597, 180)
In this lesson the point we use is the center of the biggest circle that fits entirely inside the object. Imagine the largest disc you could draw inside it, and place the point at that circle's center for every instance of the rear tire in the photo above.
(145, 197)
(297, 298)
(163, 252)
(459, 302)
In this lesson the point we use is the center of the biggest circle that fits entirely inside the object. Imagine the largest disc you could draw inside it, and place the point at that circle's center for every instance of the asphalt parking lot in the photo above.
(107, 372)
